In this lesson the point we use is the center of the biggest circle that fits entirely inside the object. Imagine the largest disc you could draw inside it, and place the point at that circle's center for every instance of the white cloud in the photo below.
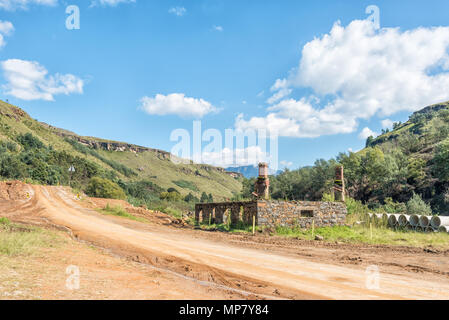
(28, 80)
(235, 158)
(218, 28)
(281, 90)
(12, 5)
(111, 3)
(359, 72)
(286, 164)
(177, 11)
(6, 28)
(292, 118)
(387, 124)
(177, 104)
(366, 133)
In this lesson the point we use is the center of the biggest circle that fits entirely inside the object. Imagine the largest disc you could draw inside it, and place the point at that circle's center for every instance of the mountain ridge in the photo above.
(145, 163)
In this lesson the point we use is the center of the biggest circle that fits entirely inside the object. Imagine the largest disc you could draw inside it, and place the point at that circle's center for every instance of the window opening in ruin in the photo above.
(307, 213)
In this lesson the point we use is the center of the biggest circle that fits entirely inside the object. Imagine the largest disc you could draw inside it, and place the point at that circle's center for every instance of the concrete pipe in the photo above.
(409, 227)
(443, 229)
(403, 220)
(418, 229)
(424, 221)
(414, 220)
(429, 229)
(438, 221)
(393, 220)
(379, 216)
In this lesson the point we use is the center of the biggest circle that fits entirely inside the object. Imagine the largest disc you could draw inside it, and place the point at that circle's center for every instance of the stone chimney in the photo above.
(339, 184)
(262, 187)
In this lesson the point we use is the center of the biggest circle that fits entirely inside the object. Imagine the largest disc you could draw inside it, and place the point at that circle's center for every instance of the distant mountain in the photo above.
(250, 171)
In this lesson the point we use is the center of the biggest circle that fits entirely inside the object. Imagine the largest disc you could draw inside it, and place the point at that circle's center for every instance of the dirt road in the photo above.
(249, 271)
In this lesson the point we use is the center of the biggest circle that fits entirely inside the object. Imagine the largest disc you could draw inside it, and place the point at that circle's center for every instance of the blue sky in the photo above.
(218, 61)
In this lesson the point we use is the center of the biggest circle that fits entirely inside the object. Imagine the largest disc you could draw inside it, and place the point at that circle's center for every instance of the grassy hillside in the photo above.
(424, 130)
(121, 162)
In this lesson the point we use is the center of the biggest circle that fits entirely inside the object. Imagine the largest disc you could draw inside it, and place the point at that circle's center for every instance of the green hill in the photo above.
(39, 152)
(412, 158)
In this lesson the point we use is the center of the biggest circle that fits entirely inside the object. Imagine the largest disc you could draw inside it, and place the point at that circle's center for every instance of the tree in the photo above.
(172, 190)
(416, 205)
(369, 141)
(171, 196)
(204, 198)
(441, 160)
(11, 167)
(191, 198)
(210, 198)
(103, 188)
(29, 141)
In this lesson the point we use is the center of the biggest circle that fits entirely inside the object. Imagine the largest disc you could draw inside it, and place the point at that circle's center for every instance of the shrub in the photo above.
(191, 198)
(204, 198)
(328, 197)
(394, 207)
(416, 205)
(170, 190)
(355, 206)
(143, 190)
(12, 168)
(171, 196)
(441, 160)
(103, 188)
(29, 141)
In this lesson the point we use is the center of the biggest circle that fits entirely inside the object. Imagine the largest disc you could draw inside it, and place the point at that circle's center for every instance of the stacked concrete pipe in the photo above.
(393, 220)
(429, 229)
(439, 221)
(424, 221)
(404, 220)
(414, 220)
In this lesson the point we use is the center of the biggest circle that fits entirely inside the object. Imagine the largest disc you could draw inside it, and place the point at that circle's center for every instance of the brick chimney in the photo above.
(262, 186)
(339, 184)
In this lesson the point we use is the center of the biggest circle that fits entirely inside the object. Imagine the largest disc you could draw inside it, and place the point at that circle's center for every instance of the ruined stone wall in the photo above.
(300, 213)
(273, 213)
(220, 212)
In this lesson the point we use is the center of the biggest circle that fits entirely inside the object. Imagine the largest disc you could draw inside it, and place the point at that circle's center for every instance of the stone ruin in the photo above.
(276, 213)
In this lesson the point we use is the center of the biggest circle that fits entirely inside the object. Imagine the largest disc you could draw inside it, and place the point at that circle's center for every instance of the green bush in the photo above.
(171, 196)
(143, 190)
(394, 207)
(103, 188)
(191, 198)
(355, 206)
(28, 141)
(440, 160)
(4, 221)
(416, 205)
